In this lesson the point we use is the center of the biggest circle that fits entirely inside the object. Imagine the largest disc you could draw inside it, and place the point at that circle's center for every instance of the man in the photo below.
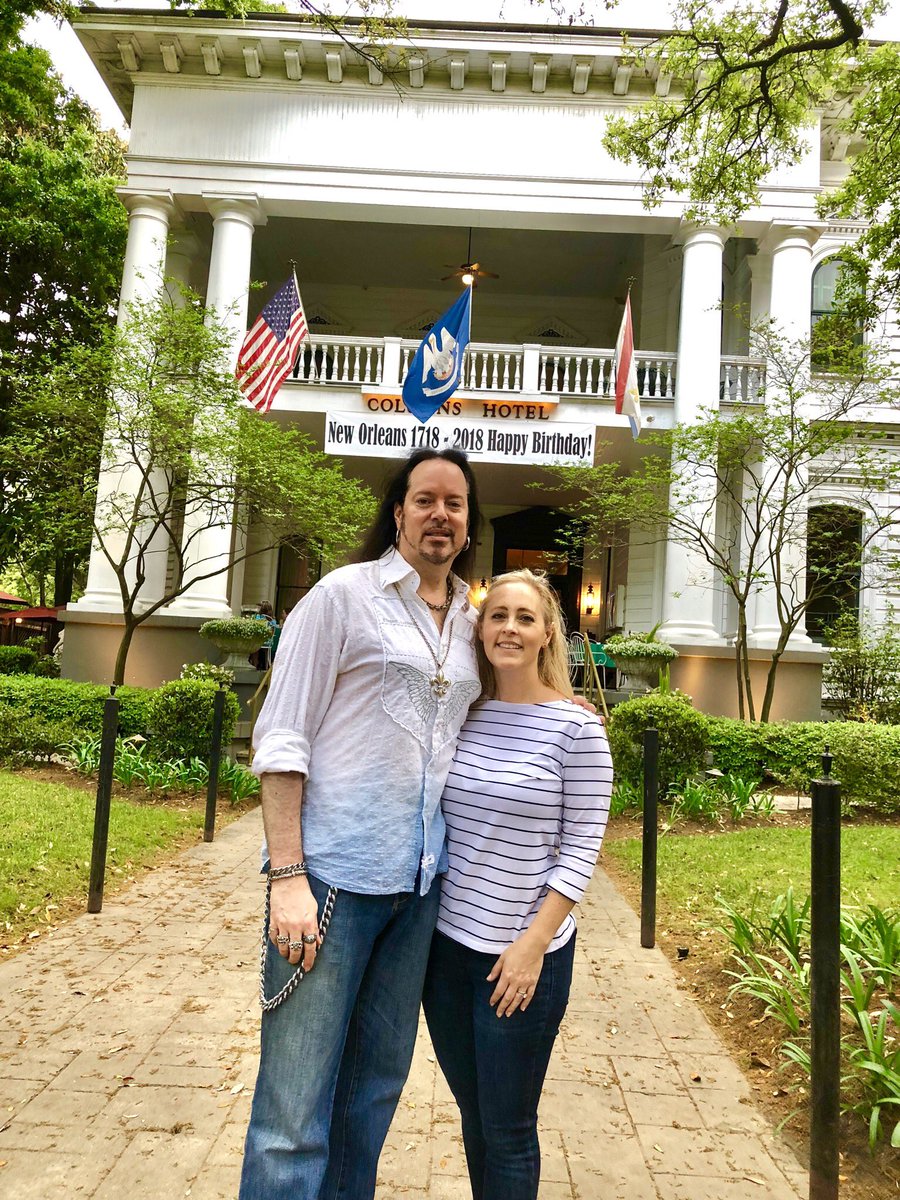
(374, 676)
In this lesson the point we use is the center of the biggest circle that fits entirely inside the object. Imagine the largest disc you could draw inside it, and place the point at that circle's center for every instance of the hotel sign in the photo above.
(520, 443)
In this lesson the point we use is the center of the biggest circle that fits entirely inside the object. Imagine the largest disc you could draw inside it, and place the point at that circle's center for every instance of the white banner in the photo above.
(536, 443)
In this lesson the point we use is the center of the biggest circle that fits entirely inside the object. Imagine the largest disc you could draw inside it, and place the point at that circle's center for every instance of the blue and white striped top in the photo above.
(526, 805)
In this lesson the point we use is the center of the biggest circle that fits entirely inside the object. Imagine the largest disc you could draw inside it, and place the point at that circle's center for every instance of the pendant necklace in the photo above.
(439, 683)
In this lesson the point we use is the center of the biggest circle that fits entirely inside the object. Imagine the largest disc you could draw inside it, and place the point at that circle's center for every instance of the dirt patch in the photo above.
(700, 959)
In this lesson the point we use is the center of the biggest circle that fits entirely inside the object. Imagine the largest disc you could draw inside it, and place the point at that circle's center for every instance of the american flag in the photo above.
(627, 396)
(271, 346)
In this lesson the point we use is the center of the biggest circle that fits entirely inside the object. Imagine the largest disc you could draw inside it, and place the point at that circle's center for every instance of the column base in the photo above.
(208, 608)
(767, 639)
(688, 631)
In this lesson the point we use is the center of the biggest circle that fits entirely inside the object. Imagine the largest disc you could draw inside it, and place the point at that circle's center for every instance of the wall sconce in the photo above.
(477, 594)
(18, 621)
(589, 600)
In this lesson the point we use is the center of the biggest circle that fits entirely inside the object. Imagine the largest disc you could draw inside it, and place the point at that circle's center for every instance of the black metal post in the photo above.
(215, 756)
(825, 986)
(101, 808)
(648, 844)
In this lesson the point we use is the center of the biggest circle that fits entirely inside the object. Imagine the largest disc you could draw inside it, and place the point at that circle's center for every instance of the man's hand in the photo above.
(294, 920)
(586, 704)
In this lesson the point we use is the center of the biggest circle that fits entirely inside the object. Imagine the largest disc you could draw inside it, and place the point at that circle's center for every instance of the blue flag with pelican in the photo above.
(436, 369)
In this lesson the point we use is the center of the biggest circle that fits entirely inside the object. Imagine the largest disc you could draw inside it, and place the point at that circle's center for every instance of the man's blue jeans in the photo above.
(336, 1053)
(495, 1066)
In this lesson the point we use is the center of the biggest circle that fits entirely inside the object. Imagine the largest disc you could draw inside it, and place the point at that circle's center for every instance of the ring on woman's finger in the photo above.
(292, 946)
(282, 939)
(525, 993)
(310, 939)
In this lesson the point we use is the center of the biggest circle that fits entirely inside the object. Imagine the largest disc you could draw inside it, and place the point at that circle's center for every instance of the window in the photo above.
(833, 564)
(837, 336)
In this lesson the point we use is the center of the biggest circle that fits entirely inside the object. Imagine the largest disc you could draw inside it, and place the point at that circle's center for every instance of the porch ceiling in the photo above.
(529, 262)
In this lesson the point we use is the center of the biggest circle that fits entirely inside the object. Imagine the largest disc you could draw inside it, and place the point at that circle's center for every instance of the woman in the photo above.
(526, 805)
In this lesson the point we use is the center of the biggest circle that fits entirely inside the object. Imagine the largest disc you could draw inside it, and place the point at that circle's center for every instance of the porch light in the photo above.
(477, 594)
(18, 620)
(468, 278)
(589, 600)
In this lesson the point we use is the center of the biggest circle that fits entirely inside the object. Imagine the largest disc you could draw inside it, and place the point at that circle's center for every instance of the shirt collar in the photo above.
(392, 567)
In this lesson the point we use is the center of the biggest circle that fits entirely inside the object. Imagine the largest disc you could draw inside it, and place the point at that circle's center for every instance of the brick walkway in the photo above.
(128, 1054)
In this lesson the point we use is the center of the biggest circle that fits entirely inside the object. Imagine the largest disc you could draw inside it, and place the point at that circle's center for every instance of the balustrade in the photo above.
(571, 372)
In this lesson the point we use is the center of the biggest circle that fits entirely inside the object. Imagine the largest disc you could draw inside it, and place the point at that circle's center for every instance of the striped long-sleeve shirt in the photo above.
(526, 805)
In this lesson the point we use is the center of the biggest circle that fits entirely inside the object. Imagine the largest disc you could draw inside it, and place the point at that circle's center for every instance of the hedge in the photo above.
(866, 756)
(32, 739)
(683, 737)
(57, 701)
(180, 717)
(16, 660)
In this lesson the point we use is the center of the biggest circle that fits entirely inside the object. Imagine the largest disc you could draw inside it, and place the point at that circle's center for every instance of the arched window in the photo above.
(836, 337)
(833, 566)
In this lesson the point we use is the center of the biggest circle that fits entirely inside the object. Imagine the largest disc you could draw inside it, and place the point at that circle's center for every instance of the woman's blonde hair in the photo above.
(553, 661)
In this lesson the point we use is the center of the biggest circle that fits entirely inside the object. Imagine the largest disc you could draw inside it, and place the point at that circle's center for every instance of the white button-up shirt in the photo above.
(351, 708)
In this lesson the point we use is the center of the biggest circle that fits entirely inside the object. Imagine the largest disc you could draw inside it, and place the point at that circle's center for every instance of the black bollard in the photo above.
(825, 986)
(101, 808)
(648, 844)
(215, 756)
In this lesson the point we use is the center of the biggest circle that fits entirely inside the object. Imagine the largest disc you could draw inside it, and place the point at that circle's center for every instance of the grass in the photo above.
(695, 869)
(45, 846)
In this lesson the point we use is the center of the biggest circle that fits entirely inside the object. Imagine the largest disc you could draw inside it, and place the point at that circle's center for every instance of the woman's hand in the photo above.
(517, 971)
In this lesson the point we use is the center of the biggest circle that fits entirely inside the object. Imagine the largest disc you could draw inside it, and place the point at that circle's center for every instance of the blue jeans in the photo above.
(336, 1053)
(495, 1066)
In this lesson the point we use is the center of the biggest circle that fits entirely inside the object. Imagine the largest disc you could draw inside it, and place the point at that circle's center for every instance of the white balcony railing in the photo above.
(573, 372)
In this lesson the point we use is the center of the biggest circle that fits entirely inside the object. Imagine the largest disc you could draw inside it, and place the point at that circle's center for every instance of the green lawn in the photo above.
(694, 868)
(45, 845)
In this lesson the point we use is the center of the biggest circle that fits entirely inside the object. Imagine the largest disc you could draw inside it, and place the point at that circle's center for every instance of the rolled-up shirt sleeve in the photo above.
(303, 679)
(587, 784)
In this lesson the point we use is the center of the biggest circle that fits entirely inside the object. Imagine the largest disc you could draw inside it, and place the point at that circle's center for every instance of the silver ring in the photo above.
(310, 939)
(292, 946)
(282, 939)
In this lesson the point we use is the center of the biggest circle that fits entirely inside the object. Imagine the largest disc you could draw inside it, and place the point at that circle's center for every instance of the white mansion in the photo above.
(256, 143)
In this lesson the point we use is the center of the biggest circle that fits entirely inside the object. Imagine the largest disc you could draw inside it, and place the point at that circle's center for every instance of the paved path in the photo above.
(128, 1051)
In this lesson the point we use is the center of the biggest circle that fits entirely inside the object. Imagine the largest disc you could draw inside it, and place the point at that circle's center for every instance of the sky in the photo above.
(80, 74)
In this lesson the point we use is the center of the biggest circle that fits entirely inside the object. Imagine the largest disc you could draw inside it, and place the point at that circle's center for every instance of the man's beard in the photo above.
(437, 557)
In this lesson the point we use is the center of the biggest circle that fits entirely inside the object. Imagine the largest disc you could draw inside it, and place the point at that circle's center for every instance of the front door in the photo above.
(534, 538)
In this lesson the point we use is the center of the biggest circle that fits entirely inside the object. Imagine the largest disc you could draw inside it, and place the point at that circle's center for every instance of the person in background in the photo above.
(264, 654)
(525, 805)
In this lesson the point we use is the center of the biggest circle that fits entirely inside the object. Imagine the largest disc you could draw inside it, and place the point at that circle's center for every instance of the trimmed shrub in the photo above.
(180, 719)
(32, 739)
(737, 748)
(16, 660)
(867, 763)
(683, 737)
(61, 700)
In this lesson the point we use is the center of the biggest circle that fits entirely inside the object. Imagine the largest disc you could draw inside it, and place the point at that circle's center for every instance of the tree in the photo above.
(62, 238)
(746, 81)
(736, 488)
(181, 456)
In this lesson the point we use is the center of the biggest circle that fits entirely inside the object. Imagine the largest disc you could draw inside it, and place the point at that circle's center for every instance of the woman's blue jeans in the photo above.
(336, 1053)
(495, 1066)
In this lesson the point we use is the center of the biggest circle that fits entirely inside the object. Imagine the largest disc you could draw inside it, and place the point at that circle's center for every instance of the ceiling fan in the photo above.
(470, 272)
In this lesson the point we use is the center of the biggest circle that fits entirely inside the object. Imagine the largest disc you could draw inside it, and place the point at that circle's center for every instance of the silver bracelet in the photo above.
(288, 872)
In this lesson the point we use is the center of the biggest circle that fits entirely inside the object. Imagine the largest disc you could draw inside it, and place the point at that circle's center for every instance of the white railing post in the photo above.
(390, 371)
(531, 369)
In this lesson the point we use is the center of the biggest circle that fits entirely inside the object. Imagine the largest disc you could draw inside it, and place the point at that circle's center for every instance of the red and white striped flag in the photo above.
(628, 400)
(270, 347)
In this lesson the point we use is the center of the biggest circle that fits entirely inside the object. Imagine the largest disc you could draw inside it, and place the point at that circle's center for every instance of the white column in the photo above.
(149, 215)
(689, 594)
(789, 312)
(208, 545)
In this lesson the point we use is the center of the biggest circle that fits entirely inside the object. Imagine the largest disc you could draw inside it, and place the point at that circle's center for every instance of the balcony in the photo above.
(569, 372)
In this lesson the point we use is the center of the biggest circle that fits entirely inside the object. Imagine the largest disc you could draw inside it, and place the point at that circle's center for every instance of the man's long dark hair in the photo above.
(382, 533)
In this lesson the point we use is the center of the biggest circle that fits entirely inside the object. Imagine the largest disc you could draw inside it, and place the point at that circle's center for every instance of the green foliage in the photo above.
(866, 759)
(639, 645)
(60, 700)
(180, 718)
(626, 797)
(236, 629)
(862, 677)
(714, 799)
(32, 739)
(17, 660)
(771, 954)
(682, 738)
(205, 670)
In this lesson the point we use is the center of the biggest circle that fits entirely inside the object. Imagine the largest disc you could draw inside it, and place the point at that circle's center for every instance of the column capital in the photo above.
(690, 233)
(142, 202)
(783, 234)
(235, 207)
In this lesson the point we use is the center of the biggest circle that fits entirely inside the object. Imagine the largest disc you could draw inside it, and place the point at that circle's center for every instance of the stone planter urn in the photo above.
(639, 656)
(236, 637)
